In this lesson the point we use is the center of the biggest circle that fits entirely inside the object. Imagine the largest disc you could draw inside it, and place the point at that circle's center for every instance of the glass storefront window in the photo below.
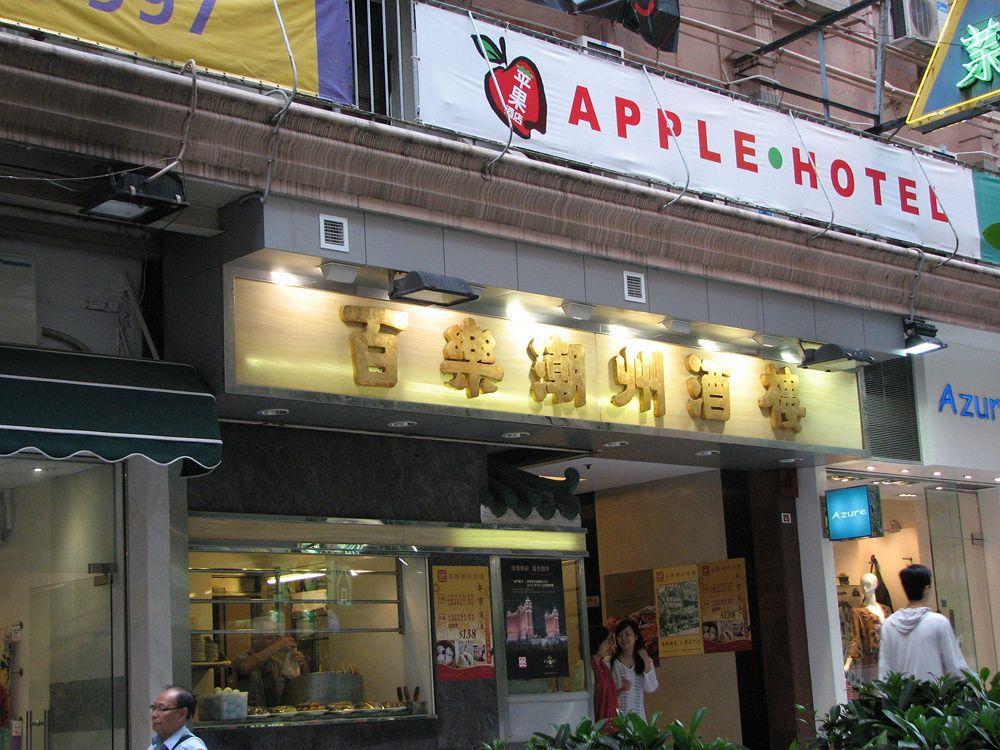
(62, 623)
(325, 635)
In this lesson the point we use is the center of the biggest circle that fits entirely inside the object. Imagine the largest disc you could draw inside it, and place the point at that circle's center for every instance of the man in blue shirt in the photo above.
(170, 714)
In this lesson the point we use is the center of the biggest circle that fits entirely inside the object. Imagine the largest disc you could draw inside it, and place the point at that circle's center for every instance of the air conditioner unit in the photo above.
(600, 49)
(917, 24)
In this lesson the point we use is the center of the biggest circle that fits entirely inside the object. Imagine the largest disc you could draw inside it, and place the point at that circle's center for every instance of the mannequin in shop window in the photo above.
(866, 627)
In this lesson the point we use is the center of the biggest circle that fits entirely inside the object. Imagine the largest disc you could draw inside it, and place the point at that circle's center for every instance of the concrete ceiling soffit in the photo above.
(104, 108)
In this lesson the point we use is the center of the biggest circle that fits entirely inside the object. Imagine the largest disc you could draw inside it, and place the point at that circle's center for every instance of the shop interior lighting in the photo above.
(134, 198)
(967, 476)
(680, 327)
(425, 288)
(707, 453)
(869, 468)
(921, 337)
(936, 473)
(577, 310)
(767, 340)
(996, 479)
(709, 345)
(615, 444)
(294, 577)
(515, 435)
(834, 358)
(907, 494)
(340, 273)
(795, 461)
(791, 356)
(402, 423)
(904, 471)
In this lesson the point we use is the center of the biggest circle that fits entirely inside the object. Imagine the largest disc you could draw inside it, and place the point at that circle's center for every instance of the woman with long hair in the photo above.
(605, 692)
(632, 669)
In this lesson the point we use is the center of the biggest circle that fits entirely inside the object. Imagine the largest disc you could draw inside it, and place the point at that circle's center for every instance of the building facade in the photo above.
(645, 245)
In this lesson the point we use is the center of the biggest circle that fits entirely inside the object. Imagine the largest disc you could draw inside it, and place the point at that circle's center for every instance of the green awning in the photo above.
(63, 404)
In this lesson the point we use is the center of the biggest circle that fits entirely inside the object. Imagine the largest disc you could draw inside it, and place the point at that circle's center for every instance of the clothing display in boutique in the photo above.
(866, 634)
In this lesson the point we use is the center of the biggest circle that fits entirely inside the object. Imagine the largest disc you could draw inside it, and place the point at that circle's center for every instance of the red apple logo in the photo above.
(520, 95)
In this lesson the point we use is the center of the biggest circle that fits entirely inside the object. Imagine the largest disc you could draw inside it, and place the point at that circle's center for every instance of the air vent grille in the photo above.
(635, 286)
(890, 411)
(333, 233)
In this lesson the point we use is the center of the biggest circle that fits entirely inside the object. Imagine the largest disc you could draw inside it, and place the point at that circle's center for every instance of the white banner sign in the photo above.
(578, 107)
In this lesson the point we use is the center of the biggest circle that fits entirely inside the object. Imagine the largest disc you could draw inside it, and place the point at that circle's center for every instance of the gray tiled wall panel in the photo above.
(788, 315)
(677, 295)
(480, 259)
(404, 245)
(734, 305)
(606, 284)
(545, 271)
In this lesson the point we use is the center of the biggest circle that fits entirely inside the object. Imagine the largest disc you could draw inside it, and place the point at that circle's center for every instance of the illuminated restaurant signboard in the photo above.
(293, 341)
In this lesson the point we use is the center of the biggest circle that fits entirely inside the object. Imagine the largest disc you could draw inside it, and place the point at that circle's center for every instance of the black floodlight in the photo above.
(132, 197)
(833, 358)
(423, 288)
(921, 337)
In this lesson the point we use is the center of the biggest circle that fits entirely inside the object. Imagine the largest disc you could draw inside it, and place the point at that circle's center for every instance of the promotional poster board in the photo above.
(703, 608)
(677, 613)
(535, 616)
(725, 612)
(623, 118)
(240, 38)
(463, 629)
(631, 595)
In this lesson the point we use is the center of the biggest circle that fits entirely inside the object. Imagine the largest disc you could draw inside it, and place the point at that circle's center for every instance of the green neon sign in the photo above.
(983, 48)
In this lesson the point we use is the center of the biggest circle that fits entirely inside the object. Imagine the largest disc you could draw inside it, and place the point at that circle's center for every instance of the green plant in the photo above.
(904, 712)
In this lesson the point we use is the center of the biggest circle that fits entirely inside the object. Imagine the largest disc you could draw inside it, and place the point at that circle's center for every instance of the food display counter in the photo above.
(308, 638)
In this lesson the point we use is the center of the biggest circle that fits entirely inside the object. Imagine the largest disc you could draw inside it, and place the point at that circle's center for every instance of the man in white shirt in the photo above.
(916, 641)
(173, 709)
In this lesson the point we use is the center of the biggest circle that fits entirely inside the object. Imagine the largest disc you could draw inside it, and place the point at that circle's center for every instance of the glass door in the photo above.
(58, 561)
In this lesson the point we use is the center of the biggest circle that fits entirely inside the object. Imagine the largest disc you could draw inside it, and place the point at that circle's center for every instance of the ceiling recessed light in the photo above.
(869, 468)
(402, 423)
(707, 453)
(939, 488)
(904, 471)
(277, 412)
(996, 479)
(708, 345)
(790, 461)
(38, 470)
(515, 435)
(615, 444)
(936, 473)
(906, 494)
(967, 476)
(845, 480)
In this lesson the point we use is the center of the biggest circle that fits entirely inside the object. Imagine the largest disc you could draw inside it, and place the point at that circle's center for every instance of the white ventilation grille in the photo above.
(635, 286)
(333, 233)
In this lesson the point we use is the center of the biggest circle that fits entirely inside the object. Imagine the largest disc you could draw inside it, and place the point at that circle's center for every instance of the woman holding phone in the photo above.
(632, 669)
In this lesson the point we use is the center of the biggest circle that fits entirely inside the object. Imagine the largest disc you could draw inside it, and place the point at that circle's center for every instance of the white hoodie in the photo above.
(921, 643)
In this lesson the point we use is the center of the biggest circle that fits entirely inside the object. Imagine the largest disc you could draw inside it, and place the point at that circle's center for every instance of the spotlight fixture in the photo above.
(869, 468)
(936, 473)
(673, 325)
(132, 197)
(904, 471)
(832, 358)
(967, 476)
(921, 337)
(577, 310)
(341, 273)
(709, 345)
(424, 288)
(276, 412)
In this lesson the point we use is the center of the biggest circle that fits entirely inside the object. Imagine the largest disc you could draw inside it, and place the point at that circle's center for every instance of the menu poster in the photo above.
(631, 595)
(463, 630)
(678, 615)
(725, 612)
(535, 613)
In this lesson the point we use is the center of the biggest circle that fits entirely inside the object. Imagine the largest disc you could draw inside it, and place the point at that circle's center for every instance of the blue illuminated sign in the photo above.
(968, 404)
(848, 513)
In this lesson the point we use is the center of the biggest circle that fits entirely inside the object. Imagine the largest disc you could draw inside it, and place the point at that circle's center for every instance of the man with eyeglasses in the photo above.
(170, 714)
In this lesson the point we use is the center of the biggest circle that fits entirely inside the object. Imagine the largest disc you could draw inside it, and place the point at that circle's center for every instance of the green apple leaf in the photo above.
(489, 50)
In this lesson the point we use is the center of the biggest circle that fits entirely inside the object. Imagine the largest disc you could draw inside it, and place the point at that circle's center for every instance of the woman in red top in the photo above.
(605, 693)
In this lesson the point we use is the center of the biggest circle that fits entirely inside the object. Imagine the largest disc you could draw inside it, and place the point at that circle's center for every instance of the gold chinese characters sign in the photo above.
(293, 339)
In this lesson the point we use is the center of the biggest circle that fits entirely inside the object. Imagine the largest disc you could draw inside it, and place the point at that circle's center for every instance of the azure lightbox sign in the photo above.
(850, 512)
